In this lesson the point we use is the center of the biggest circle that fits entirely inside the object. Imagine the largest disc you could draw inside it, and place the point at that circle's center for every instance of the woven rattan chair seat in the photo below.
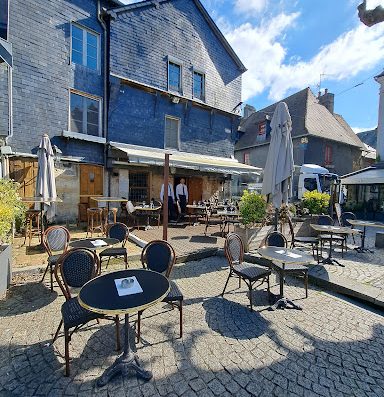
(74, 314)
(114, 251)
(251, 271)
(52, 260)
(174, 293)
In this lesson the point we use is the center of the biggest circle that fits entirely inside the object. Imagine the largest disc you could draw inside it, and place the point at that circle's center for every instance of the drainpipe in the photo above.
(105, 89)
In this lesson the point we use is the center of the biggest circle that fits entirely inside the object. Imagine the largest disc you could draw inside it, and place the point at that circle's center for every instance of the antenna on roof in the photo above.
(321, 76)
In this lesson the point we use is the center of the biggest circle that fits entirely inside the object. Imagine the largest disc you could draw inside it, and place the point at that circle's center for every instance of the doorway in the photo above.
(91, 184)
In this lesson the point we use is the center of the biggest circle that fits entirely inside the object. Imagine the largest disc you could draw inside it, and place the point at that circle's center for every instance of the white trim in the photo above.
(167, 116)
(83, 137)
(175, 61)
(84, 52)
(90, 96)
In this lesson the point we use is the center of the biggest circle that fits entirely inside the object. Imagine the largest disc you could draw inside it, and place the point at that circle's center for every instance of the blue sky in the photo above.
(287, 44)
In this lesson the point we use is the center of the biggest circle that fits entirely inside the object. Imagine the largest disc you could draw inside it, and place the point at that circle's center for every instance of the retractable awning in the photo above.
(6, 52)
(151, 156)
(370, 176)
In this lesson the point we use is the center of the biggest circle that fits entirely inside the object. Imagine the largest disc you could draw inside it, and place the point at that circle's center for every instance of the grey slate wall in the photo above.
(4, 109)
(40, 34)
(141, 42)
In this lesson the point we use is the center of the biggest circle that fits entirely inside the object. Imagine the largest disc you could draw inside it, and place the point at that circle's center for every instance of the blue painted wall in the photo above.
(42, 76)
(141, 41)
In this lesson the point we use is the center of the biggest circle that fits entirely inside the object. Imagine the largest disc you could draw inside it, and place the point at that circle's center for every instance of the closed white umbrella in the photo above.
(279, 165)
(45, 183)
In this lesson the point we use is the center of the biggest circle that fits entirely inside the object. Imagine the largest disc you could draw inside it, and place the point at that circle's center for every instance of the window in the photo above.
(328, 155)
(85, 114)
(246, 159)
(261, 132)
(138, 187)
(199, 86)
(310, 184)
(4, 5)
(171, 134)
(174, 76)
(85, 47)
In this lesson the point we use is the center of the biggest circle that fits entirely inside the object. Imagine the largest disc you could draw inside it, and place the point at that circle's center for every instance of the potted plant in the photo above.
(252, 210)
(11, 208)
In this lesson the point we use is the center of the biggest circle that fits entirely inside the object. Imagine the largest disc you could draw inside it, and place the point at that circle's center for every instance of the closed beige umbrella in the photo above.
(279, 166)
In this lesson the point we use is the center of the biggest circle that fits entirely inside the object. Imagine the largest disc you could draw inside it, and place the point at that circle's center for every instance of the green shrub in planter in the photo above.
(252, 208)
(11, 207)
(315, 202)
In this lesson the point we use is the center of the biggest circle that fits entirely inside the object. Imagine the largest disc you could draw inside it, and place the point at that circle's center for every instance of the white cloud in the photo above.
(262, 51)
(361, 129)
(250, 7)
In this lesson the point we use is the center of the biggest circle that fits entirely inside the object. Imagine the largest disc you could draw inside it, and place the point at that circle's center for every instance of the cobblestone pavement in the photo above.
(330, 348)
(366, 268)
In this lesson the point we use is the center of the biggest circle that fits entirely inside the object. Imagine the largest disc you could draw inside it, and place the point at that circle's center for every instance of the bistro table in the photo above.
(147, 209)
(228, 217)
(284, 261)
(89, 243)
(101, 295)
(364, 225)
(331, 230)
(42, 201)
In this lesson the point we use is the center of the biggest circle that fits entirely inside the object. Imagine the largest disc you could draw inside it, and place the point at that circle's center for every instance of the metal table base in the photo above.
(127, 360)
(285, 303)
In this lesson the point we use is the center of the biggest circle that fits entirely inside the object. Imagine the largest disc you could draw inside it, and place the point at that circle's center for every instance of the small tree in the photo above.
(252, 208)
(11, 207)
(315, 202)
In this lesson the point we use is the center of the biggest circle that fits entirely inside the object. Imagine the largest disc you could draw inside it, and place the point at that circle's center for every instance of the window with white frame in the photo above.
(199, 85)
(174, 76)
(171, 133)
(85, 47)
(85, 114)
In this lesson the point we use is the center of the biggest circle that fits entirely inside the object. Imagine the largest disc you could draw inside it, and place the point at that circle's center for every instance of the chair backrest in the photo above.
(234, 249)
(157, 203)
(325, 220)
(158, 255)
(338, 213)
(345, 216)
(130, 207)
(276, 239)
(56, 238)
(76, 267)
(119, 231)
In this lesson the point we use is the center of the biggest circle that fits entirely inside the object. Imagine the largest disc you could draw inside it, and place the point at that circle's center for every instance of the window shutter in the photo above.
(171, 133)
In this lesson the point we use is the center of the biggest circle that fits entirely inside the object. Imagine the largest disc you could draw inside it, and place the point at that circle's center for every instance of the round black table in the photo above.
(87, 243)
(100, 295)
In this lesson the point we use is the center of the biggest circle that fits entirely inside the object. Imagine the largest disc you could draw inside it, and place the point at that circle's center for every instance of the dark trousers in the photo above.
(171, 208)
(183, 203)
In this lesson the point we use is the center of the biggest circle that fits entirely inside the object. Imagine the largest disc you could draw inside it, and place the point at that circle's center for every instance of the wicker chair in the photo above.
(282, 269)
(55, 241)
(276, 239)
(249, 272)
(159, 256)
(156, 215)
(345, 216)
(120, 232)
(73, 270)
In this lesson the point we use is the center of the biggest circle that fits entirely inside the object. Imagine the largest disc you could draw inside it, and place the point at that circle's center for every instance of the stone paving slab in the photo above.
(330, 348)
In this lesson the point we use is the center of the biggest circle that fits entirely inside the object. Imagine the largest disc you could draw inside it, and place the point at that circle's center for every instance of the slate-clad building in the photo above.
(112, 84)
(319, 135)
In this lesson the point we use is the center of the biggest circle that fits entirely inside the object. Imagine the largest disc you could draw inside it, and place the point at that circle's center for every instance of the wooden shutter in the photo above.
(171, 133)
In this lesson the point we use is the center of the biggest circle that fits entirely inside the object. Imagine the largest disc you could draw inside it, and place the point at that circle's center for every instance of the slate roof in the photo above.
(309, 118)
(368, 137)
(204, 12)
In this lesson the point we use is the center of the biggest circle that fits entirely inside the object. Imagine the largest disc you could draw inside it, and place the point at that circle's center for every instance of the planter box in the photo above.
(252, 237)
(5, 267)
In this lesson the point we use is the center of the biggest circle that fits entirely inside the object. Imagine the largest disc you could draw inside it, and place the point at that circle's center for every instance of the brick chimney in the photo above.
(327, 100)
(248, 110)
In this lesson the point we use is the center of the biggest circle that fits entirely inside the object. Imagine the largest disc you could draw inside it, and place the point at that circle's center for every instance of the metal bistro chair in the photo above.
(159, 256)
(55, 239)
(276, 239)
(342, 240)
(73, 270)
(344, 218)
(120, 232)
(249, 272)
(156, 215)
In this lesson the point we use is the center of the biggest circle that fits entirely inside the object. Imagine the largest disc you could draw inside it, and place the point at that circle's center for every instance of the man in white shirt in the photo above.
(171, 199)
(182, 195)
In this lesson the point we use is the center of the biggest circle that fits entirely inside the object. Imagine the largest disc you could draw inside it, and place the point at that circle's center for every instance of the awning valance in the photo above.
(6, 52)
(367, 177)
(199, 162)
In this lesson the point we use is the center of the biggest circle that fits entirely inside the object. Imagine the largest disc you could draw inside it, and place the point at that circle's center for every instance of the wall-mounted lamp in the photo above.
(175, 99)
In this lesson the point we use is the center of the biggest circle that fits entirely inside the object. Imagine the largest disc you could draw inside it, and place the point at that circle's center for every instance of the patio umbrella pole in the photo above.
(165, 197)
